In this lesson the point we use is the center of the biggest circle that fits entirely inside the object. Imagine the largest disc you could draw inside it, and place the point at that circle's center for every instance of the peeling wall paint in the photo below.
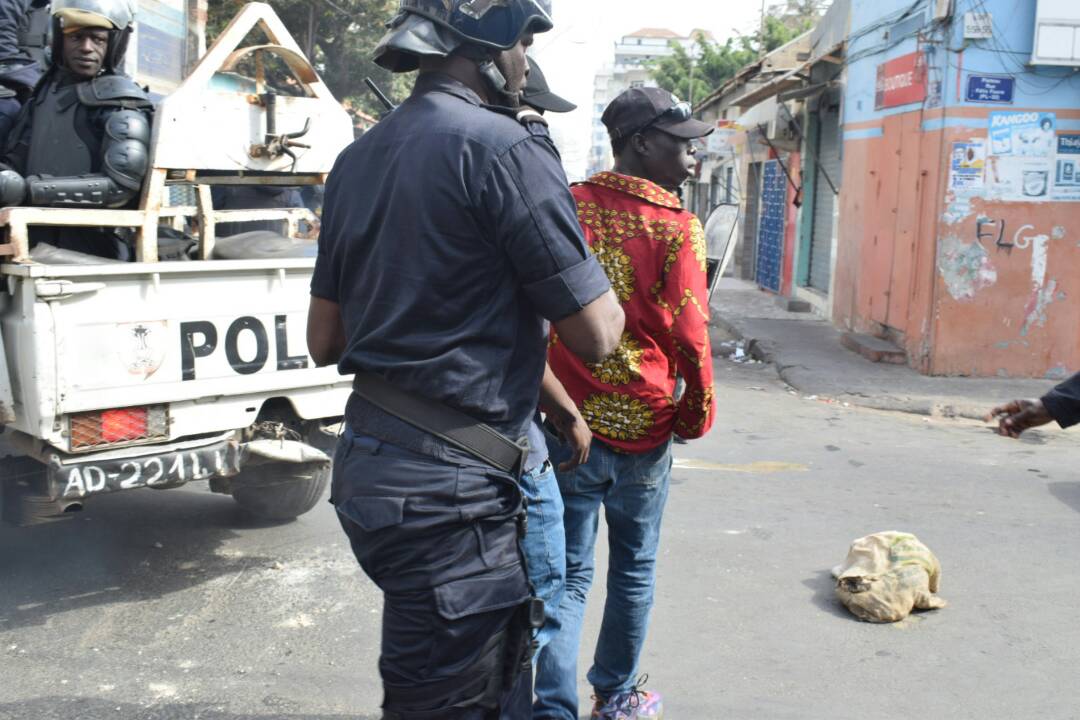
(1035, 312)
(965, 267)
(959, 207)
(1042, 294)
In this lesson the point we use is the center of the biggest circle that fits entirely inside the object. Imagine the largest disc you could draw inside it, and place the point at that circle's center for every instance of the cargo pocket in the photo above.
(496, 590)
(373, 513)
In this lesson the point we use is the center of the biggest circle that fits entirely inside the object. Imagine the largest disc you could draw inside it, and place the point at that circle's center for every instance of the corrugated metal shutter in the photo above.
(825, 199)
(750, 222)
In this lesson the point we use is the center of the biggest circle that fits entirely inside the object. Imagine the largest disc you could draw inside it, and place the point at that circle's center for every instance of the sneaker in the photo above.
(635, 704)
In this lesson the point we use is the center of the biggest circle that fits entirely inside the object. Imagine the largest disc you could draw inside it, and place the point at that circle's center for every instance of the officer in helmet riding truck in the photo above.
(432, 286)
(82, 139)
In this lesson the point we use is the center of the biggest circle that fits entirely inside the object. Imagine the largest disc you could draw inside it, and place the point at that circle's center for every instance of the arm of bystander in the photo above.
(567, 419)
(684, 294)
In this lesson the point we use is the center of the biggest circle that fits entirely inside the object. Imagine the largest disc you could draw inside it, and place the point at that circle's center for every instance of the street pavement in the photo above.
(809, 356)
(172, 604)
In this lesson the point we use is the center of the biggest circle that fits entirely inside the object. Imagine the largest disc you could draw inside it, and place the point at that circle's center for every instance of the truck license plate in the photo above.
(174, 468)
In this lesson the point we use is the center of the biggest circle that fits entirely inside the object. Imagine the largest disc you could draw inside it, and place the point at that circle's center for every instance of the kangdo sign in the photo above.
(901, 81)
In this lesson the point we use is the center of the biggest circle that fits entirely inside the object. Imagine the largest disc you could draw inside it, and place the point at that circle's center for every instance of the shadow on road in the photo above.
(1067, 492)
(95, 709)
(129, 547)
(824, 586)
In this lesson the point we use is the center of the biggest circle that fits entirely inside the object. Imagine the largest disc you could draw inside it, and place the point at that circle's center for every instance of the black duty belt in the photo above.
(456, 428)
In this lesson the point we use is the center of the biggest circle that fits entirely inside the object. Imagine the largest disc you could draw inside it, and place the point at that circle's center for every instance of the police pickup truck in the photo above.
(153, 374)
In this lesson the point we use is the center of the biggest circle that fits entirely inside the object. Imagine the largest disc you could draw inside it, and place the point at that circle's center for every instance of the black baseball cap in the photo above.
(538, 95)
(648, 107)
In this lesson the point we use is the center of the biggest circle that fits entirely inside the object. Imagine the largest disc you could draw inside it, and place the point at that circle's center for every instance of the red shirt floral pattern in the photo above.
(654, 254)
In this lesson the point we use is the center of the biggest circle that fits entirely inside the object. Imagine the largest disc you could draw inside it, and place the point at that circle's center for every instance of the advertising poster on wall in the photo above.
(968, 165)
(1021, 161)
(1067, 175)
(1023, 134)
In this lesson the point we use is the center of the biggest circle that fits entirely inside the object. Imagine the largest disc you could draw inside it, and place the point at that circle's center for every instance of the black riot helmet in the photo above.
(498, 24)
(439, 27)
(116, 16)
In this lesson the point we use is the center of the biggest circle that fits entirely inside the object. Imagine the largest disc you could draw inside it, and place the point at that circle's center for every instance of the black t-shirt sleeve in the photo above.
(324, 281)
(1063, 402)
(326, 278)
(535, 223)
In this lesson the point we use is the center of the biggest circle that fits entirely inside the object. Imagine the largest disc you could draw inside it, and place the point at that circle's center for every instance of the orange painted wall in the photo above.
(910, 265)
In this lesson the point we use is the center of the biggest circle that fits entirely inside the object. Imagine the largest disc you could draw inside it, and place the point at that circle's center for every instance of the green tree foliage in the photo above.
(338, 36)
(694, 79)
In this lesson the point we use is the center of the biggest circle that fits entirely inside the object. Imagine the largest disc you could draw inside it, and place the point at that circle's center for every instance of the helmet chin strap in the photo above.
(492, 75)
(497, 84)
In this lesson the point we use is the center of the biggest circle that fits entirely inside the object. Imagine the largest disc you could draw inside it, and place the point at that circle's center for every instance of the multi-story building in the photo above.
(630, 68)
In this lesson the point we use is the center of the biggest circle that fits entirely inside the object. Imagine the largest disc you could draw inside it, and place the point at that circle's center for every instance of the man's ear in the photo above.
(640, 144)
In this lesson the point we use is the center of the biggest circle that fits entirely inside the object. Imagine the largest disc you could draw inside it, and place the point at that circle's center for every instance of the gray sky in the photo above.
(584, 37)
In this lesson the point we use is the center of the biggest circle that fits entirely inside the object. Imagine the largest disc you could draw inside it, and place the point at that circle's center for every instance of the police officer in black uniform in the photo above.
(83, 137)
(449, 236)
(24, 32)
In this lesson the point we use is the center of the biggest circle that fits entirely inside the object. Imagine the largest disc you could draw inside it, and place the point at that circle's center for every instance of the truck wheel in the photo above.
(281, 491)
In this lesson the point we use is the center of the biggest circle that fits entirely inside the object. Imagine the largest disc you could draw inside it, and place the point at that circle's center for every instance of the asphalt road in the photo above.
(173, 604)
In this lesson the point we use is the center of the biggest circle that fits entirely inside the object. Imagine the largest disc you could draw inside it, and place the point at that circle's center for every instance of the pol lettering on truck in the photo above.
(199, 339)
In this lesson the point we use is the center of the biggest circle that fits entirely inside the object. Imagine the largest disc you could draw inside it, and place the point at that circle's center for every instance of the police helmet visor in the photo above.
(497, 24)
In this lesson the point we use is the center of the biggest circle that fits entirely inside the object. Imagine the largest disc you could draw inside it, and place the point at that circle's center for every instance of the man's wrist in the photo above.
(1057, 408)
(563, 417)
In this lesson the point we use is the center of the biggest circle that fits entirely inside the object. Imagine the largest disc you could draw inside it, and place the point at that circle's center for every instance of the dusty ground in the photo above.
(174, 605)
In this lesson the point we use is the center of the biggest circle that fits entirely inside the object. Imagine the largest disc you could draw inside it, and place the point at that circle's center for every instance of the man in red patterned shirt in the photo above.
(654, 254)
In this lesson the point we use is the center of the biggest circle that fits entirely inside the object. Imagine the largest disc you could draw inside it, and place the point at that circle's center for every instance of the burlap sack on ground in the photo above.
(886, 576)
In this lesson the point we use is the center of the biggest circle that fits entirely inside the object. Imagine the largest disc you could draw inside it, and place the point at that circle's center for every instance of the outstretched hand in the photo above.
(1019, 416)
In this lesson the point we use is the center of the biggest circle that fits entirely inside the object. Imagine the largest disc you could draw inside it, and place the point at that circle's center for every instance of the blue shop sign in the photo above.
(998, 89)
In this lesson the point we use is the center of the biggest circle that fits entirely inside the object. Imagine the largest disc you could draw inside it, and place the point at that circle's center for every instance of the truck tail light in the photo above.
(113, 427)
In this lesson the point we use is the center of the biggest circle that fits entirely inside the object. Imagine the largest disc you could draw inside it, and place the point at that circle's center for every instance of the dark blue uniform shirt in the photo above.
(449, 234)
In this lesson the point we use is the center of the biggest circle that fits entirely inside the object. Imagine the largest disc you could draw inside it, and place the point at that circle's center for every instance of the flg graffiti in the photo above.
(987, 229)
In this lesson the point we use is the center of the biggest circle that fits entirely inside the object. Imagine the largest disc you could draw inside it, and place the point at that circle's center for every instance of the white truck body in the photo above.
(87, 338)
(115, 375)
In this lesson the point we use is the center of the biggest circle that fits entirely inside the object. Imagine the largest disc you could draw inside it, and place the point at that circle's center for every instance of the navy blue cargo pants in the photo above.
(441, 539)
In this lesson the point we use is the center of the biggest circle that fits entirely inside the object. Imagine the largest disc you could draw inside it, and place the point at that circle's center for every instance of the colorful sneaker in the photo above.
(635, 704)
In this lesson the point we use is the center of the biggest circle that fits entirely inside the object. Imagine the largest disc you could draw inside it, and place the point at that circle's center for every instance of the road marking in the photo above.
(756, 468)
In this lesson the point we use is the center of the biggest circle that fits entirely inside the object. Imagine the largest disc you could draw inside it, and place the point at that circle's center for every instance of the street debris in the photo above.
(886, 576)
(736, 351)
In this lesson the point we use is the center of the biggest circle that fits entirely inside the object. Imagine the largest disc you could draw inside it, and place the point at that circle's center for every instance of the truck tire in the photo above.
(281, 491)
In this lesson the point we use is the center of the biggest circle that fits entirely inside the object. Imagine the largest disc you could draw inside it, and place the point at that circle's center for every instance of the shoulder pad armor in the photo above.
(113, 91)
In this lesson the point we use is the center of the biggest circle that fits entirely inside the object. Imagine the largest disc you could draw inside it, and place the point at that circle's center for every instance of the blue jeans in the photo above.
(633, 490)
(545, 544)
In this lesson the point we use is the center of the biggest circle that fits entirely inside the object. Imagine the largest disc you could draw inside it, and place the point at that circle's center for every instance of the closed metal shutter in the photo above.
(825, 199)
(750, 222)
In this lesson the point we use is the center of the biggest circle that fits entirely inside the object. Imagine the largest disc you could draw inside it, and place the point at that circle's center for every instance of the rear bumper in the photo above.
(73, 478)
